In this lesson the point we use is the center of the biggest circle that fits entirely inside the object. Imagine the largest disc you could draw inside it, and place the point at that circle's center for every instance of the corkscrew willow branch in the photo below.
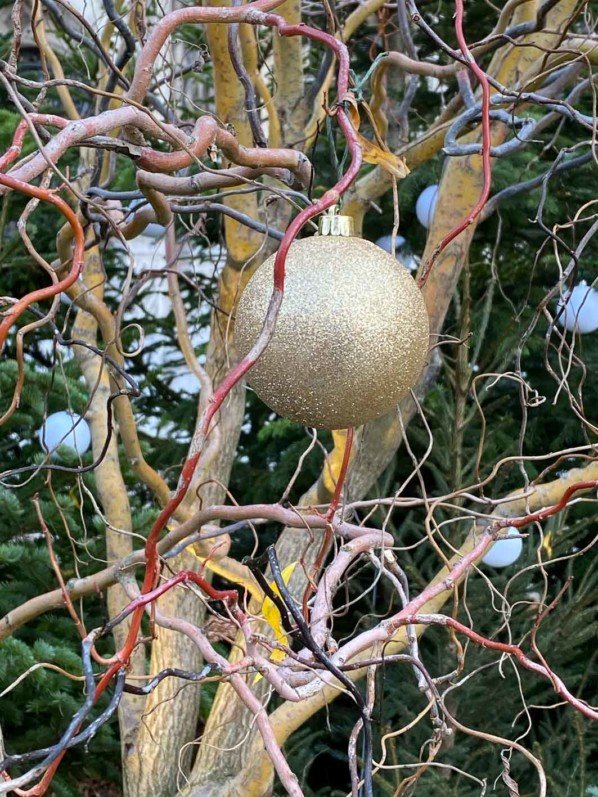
(485, 153)
(45, 195)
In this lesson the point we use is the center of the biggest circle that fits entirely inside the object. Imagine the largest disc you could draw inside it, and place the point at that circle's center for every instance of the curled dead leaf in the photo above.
(378, 154)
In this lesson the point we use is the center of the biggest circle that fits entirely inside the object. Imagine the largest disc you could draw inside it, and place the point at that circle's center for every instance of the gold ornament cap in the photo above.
(333, 223)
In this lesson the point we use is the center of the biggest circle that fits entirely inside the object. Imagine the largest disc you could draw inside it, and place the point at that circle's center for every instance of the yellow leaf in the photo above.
(353, 111)
(272, 616)
(239, 575)
(74, 495)
(334, 463)
(270, 611)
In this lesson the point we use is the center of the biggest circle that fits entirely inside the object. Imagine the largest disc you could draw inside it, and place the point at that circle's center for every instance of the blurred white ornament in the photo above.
(65, 429)
(504, 552)
(403, 251)
(579, 309)
(385, 242)
(426, 205)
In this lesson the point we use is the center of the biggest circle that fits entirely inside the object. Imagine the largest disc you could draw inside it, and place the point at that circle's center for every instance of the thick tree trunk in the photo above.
(171, 715)
(157, 759)
(111, 489)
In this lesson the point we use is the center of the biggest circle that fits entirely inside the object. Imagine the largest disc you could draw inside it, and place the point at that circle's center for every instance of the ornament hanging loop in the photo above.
(334, 224)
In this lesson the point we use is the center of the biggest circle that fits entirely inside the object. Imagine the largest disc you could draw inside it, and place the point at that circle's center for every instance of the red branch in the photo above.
(342, 475)
(542, 514)
(327, 537)
(511, 650)
(17, 140)
(486, 144)
(45, 195)
(229, 596)
(238, 372)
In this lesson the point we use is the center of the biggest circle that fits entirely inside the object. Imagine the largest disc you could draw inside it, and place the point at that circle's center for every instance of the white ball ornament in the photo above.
(65, 429)
(579, 309)
(351, 337)
(505, 552)
(385, 242)
(402, 250)
(425, 206)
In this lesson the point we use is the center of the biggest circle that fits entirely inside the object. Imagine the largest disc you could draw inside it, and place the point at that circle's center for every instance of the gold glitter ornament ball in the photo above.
(351, 337)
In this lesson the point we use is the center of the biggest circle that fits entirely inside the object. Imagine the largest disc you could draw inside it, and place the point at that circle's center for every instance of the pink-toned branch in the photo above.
(511, 650)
